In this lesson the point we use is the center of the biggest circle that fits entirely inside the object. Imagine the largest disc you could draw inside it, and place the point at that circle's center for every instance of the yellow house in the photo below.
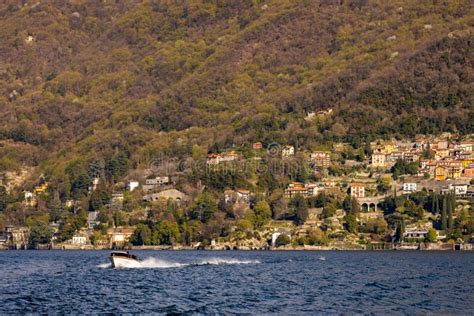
(466, 162)
(454, 172)
(389, 148)
(441, 173)
(41, 188)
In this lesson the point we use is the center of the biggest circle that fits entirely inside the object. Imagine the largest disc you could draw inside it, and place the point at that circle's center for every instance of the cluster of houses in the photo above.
(18, 238)
(449, 168)
(449, 159)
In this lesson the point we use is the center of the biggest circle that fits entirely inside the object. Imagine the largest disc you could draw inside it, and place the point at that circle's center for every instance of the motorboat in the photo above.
(123, 259)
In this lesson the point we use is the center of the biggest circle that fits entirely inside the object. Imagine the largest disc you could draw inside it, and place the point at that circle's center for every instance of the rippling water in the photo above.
(286, 282)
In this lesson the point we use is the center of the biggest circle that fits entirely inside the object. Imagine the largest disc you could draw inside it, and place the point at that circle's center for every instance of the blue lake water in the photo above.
(286, 282)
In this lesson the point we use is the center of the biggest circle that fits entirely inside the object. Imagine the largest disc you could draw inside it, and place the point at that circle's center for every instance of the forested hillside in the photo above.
(82, 80)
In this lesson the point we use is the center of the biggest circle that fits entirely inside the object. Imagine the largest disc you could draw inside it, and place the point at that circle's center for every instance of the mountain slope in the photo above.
(81, 80)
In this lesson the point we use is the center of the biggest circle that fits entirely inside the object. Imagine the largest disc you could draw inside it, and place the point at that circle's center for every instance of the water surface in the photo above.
(285, 282)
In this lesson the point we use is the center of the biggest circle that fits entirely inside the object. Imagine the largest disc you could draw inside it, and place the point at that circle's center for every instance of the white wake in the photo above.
(154, 263)
(223, 261)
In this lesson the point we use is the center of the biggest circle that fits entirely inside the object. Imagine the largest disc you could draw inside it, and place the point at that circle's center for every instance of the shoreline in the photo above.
(369, 247)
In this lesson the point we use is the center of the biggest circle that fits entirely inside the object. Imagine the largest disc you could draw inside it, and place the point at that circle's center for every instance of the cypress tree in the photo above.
(3, 198)
(402, 229)
(450, 211)
(443, 214)
(433, 203)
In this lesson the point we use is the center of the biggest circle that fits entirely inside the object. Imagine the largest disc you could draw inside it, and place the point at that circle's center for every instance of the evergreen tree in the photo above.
(55, 208)
(3, 198)
(300, 207)
(355, 206)
(451, 202)
(444, 223)
(96, 169)
(346, 204)
(142, 235)
(351, 224)
(99, 198)
(400, 230)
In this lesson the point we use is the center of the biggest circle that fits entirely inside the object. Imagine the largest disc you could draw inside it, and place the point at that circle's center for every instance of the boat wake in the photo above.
(222, 261)
(154, 263)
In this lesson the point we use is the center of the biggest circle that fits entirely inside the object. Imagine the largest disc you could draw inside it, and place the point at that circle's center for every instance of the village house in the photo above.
(411, 157)
(378, 160)
(441, 173)
(441, 144)
(257, 145)
(29, 199)
(215, 159)
(420, 143)
(321, 159)
(409, 187)
(41, 188)
(458, 189)
(132, 185)
(467, 146)
(469, 171)
(441, 153)
(79, 240)
(156, 182)
(415, 234)
(173, 194)
(230, 196)
(430, 167)
(389, 147)
(120, 236)
(448, 168)
(395, 155)
(17, 237)
(357, 190)
(294, 189)
(288, 151)
(243, 195)
(305, 190)
(92, 219)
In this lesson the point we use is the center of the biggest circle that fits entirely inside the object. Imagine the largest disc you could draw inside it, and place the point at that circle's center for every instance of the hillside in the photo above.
(83, 81)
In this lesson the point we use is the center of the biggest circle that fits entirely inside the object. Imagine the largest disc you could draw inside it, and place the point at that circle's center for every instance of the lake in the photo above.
(269, 282)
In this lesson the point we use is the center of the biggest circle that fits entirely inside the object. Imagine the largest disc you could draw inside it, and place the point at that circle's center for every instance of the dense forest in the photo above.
(81, 79)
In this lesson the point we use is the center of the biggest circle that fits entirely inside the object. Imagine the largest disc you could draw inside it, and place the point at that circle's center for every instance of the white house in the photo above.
(459, 189)
(409, 187)
(92, 219)
(79, 240)
(357, 190)
(288, 151)
(153, 183)
(416, 234)
(132, 185)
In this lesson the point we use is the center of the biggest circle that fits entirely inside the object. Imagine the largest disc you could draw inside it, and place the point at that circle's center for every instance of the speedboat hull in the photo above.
(124, 260)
